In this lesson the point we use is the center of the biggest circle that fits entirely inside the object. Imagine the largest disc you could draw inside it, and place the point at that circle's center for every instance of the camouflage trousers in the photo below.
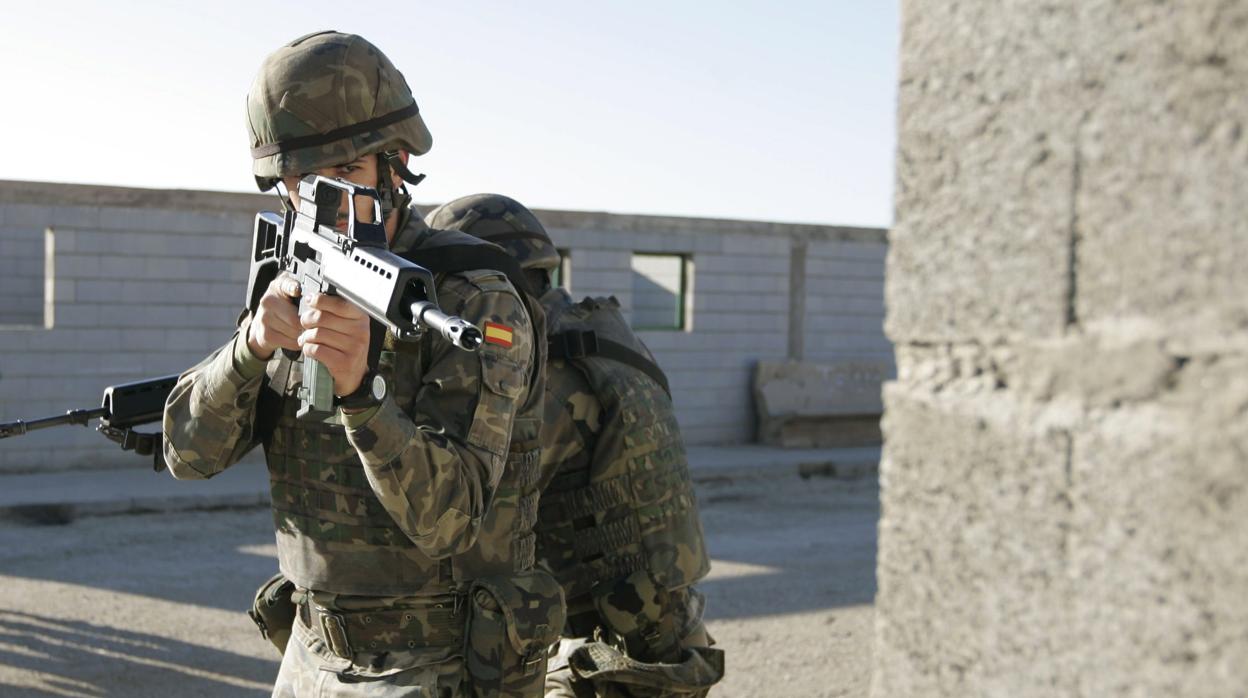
(310, 669)
(600, 666)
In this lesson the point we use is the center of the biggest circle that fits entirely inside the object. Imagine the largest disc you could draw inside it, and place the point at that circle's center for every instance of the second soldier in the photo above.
(618, 521)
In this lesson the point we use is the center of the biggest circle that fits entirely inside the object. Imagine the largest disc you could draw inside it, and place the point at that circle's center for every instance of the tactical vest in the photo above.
(626, 502)
(334, 535)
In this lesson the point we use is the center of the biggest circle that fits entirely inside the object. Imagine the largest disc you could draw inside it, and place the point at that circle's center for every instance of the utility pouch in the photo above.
(273, 611)
(640, 616)
(512, 622)
(606, 668)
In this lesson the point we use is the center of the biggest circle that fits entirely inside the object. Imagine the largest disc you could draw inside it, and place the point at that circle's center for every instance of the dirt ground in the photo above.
(152, 605)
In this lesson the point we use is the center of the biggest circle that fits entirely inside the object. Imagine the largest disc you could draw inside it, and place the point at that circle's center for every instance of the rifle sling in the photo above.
(449, 259)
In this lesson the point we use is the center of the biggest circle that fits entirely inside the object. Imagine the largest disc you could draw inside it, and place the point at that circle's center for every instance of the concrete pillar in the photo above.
(1065, 477)
(797, 301)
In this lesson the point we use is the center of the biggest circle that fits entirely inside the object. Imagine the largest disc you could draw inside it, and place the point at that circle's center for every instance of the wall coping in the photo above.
(58, 194)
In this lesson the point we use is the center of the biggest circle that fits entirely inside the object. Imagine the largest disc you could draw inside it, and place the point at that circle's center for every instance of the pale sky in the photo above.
(779, 111)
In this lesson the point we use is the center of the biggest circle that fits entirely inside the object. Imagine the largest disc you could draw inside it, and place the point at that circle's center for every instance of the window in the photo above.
(26, 279)
(660, 291)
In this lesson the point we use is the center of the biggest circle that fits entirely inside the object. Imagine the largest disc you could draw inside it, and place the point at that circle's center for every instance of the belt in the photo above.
(385, 630)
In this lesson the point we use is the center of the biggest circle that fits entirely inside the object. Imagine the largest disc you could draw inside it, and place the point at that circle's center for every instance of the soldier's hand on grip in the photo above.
(276, 322)
(335, 332)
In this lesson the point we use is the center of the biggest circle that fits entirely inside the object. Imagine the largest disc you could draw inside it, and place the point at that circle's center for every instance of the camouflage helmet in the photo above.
(504, 222)
(325, 99)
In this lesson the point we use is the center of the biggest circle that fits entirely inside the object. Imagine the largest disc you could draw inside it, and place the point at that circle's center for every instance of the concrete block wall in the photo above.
(21, 276)
(1065, 498)
(148, 282)
(742, 310)
(144, 282)
(845, 301)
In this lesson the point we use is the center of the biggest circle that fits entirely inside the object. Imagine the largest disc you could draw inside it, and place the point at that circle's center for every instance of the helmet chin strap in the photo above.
(396, 164)
(279, 190)
(391, 198)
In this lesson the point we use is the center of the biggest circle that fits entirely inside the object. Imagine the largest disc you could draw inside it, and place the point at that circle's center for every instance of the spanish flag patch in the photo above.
(498, 334)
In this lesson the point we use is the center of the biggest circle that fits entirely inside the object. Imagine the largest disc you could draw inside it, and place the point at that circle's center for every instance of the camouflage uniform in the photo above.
(618, 523)
(406, 528)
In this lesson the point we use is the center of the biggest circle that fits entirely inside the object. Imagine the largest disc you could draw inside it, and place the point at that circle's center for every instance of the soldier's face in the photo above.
(362, 171)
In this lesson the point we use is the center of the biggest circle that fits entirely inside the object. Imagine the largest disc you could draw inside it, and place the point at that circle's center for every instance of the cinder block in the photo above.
(15, 340)
(27, 215)
(821, 302)
(89, 341)
(982, 238)
(216, 269)
(20, 318)
(79, 315)
(705, 243)
(597, 260)
(757, 245)
(166, 292)
(743, 303)
(131, 218)
(758, 322)
(658, 242)
(856, 324)
(847, 250)
(74, 217)
(1162, 178)
(99, 291)
(852, 288)
(223, 292)
(844, 269)
(44, 340)
(1158, 521)
(145, 244)
(983, 594)
(95, 242)
(14, 387)
(121, 268)
(136, 339)
(193, 341)
(22, 243)
(64, 240)
(742, 264)
(169, 268)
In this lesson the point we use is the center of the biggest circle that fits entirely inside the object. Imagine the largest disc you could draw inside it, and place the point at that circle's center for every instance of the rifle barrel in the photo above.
(22, 426)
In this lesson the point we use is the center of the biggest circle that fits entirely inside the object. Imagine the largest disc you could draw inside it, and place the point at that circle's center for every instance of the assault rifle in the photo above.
(124, 407)
(355, 263)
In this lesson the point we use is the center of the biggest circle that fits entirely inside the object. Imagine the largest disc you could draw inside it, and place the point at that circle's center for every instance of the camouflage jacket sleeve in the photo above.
(435, 472)
(209, 414)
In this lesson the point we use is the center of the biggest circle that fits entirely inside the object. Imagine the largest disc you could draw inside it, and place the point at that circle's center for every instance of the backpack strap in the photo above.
(575, 344)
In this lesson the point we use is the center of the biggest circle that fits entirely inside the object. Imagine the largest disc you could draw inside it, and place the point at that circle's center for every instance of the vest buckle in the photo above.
(334, 630)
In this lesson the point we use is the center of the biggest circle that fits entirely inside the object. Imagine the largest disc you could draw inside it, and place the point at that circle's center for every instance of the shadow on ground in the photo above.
(780, 546)
(63, 658)
(789, 546)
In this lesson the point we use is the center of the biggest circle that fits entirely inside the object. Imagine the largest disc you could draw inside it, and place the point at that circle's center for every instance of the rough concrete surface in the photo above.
(1064, 492)
(152, 605)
